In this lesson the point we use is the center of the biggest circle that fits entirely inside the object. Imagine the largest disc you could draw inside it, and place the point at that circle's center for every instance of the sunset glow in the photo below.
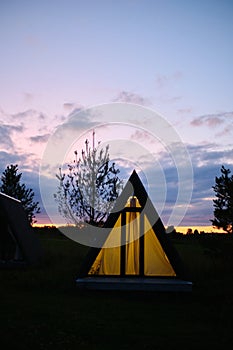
(173, 57)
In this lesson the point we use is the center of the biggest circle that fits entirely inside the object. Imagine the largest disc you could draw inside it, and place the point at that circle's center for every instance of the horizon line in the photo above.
(182, 229)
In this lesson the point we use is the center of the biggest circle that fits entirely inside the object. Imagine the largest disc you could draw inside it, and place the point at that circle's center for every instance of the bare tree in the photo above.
(88, 188)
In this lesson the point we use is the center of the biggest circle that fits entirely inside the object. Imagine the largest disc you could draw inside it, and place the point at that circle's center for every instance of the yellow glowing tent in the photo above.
(137, 253)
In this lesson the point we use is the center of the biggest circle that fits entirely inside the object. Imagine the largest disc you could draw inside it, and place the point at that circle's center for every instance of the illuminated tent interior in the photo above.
(137, 253)
(19, 245)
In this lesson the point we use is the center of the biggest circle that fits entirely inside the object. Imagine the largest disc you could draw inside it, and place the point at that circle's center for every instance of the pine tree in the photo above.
(12, 186)
(87, 190)
(223, 205)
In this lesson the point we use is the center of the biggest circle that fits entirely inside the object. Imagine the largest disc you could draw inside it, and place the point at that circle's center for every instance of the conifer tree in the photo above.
(12, 186)
(223, 205)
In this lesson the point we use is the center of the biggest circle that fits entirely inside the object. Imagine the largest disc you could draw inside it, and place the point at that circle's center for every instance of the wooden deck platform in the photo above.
(137, 284)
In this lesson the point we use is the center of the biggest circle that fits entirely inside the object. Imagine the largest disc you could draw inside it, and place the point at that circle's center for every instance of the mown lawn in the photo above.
(41, 307)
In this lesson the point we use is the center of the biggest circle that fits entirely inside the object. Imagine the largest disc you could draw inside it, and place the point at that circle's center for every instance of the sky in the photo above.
(171, 57)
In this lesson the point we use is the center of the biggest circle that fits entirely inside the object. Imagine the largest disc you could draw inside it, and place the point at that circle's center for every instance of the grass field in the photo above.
(41, 307)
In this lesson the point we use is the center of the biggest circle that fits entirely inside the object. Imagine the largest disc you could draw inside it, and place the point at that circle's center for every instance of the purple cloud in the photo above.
(40, 138)
(213, 120)
(70, 106)
(162, 80)
(28, 97)
(185, 110)
(5, 135)
(130, 97)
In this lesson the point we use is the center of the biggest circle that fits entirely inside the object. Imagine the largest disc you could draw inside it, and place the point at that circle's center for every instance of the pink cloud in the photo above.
(224, 132)
(139, 135)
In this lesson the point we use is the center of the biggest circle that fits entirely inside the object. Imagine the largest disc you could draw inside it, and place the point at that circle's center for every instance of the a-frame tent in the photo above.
(19, 245)
(137, 253)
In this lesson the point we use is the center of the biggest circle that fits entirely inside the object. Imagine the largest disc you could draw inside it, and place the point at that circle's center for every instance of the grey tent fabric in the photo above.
(18, 242)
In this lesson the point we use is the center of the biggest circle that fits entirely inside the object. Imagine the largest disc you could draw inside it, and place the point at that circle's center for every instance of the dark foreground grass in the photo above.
(41, 308)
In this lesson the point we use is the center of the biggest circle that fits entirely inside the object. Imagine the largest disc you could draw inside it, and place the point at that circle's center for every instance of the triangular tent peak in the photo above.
(19, 244)
(137, 251)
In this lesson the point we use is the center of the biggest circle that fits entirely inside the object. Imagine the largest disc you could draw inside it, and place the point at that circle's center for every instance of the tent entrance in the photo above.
(132, 248)
(132, 261)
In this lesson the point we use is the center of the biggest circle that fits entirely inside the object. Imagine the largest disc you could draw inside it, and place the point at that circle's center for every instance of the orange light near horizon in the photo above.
(207, 229)
(181, 229)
